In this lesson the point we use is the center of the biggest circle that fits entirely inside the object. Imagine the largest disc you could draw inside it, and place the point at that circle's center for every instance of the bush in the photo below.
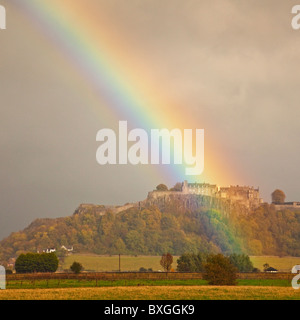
(76, 267)
(36, 262)
(142, 269)
(220, 271)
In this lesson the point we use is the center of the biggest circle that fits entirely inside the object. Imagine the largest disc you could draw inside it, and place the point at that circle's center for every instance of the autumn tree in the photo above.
(220, 271)
(177, 187)
(162, 187)
(166, 261)
(278, 196)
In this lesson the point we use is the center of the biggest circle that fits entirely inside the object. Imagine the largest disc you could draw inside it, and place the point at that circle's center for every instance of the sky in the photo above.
(230, 65)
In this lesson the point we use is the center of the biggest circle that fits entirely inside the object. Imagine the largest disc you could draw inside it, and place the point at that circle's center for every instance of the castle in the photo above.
(245, 195)
(190, 195)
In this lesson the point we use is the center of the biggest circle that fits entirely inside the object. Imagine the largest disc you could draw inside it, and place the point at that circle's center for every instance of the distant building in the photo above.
(11, 263)
(287, 205)
(49, 250)
(271, 269)
(70, 249)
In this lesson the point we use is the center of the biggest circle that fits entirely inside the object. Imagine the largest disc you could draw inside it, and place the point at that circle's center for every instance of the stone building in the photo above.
(245, 195)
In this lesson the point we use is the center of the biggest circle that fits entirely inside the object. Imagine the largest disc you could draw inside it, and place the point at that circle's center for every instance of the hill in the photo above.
(176, 224)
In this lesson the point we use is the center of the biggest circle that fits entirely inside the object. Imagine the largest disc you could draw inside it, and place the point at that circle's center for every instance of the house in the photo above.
(70, 249)
(49, 250)
(271, 269)
(11, 263)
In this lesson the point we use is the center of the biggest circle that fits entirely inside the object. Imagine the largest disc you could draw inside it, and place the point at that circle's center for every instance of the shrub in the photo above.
(142, 269)
(76, 267)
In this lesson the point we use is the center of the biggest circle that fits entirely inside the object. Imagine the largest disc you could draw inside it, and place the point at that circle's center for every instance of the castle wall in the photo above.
(192, 196)
(288, 205)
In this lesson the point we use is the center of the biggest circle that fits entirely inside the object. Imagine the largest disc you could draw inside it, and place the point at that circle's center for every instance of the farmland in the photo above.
(111, 263)
(155, 293)
(284, 264)
(133, 263)
(96, 283)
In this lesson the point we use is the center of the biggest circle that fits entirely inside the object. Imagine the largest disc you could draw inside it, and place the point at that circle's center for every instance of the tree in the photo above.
(162, 187)
(135, 241)
(166, 261)
(36, 262)
(242, 262)
(220, 271)
(177, 187)
(190, 262)
(278, 196)
(266, 266)
(186, 263)
(76, 267)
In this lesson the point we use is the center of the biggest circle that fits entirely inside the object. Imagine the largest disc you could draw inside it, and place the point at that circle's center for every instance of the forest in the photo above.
(149, 231)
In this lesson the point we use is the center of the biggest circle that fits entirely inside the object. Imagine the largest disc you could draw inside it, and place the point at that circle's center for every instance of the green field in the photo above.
(133, 263)
(83, 283)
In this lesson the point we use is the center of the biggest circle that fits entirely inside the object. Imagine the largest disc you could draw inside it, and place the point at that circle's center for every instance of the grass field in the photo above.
(284, 264)
(111, 263)
(133, 263)
(155, 293)
(73, 283)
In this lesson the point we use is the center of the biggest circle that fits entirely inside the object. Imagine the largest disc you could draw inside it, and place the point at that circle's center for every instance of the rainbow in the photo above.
(122, 82)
